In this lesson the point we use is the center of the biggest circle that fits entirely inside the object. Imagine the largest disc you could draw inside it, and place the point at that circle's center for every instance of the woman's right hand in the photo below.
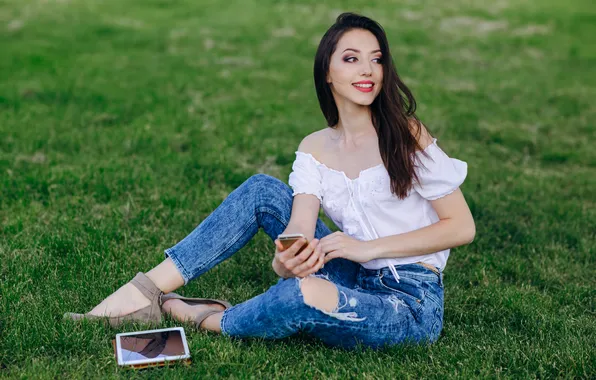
(286, 264)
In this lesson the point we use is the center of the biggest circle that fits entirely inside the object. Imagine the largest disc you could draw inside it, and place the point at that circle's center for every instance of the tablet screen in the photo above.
(154, 345)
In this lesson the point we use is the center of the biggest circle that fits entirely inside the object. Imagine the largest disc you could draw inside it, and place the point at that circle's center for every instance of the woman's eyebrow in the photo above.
(358, 51)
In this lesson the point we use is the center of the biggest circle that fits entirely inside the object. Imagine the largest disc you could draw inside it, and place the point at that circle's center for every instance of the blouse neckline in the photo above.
(361, 171)
(341, 171)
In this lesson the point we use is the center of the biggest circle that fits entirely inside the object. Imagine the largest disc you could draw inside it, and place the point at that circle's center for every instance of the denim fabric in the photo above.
(374, 308)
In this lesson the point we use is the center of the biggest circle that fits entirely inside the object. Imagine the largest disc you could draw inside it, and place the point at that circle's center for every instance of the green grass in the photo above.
(124, 123)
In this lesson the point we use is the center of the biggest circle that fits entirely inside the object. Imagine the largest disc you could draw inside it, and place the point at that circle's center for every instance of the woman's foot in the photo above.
(181, 311)
(129, 299)
(125, 300)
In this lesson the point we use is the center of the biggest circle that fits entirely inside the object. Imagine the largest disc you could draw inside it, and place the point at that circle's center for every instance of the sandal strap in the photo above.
(146, 286)
(201, 317)
(190, 300)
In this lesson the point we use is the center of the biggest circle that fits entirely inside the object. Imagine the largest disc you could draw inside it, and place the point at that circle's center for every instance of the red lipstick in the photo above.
(364, 85)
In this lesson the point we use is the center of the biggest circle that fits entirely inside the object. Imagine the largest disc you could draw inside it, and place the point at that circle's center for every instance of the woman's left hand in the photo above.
(339, 244)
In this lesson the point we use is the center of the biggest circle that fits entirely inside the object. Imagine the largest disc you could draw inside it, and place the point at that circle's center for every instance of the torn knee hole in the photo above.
(319, 293)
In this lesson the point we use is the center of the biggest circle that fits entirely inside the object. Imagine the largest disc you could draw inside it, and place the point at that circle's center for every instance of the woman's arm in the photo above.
(303, 218)
(456, 227)
(305, 207)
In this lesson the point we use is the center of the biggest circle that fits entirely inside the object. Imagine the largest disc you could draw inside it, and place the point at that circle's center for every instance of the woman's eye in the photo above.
(379, 60)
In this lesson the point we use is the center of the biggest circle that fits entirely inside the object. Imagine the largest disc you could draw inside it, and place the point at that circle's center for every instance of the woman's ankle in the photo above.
(166, 276)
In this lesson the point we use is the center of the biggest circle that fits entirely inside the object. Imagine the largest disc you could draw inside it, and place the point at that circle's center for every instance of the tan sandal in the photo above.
(148, 314)
(197, 301)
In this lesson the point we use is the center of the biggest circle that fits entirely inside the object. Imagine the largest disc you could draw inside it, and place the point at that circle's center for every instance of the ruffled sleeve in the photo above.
(305, 177)
(439, 174)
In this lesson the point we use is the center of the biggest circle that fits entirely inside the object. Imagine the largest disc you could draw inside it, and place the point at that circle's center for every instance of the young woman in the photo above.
(381, 178)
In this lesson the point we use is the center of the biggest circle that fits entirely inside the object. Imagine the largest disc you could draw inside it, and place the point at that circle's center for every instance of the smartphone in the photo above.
(142, 349)
(287, 240)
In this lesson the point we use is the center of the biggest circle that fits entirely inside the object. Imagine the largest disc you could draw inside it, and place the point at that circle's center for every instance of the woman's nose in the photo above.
(366, 69)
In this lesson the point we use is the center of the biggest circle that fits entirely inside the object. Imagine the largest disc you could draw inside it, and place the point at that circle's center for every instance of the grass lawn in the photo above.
(123, 124)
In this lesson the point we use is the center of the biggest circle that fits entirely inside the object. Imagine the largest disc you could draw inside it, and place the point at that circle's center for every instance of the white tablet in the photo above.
(152, 347)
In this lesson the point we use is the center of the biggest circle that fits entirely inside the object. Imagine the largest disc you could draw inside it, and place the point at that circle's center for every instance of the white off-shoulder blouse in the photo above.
(365, 209)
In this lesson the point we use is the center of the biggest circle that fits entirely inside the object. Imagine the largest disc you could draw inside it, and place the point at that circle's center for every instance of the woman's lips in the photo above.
(364, 89)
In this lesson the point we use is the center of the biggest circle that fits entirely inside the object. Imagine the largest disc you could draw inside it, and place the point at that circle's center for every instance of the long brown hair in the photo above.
(393, 110)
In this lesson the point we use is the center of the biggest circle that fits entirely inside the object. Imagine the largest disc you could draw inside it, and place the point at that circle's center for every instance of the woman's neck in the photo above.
(354, 126)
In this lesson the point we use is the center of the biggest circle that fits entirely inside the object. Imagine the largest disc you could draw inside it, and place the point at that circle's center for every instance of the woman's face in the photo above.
(357, 58)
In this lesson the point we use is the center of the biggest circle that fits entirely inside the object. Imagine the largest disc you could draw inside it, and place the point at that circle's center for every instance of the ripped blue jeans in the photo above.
(374, 309)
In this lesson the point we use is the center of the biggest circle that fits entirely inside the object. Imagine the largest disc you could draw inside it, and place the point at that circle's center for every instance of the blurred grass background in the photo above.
(123, 124)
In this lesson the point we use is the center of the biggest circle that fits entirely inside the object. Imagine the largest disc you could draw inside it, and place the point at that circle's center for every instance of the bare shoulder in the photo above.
(313, 142)
(421, 134)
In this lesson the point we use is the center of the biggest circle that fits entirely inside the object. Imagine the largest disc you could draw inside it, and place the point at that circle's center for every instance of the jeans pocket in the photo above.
(408, 290)
(409, 286)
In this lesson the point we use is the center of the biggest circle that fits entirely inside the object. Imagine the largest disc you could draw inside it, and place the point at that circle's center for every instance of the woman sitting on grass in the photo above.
(381, 178)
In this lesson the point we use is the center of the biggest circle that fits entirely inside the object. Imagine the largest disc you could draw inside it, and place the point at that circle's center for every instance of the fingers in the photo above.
(279, 247)
(304, 261)
(304, 255)
(312, 260)
(330, 256)
(290, 252)
(288, 256)
(332, 236)
(309, 260)
(331, 242)
(319, 264)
